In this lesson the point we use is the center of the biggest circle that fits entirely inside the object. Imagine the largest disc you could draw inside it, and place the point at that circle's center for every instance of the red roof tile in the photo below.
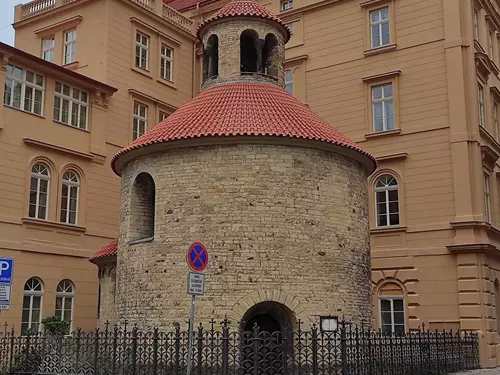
(107, 251)
(244, 8)
(242, 108)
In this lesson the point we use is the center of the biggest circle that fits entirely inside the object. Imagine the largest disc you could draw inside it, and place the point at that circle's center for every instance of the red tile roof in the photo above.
(107, 251)
(244, 8)
(238, 109)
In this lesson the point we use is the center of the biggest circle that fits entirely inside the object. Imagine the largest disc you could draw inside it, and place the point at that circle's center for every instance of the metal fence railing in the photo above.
(222, 351)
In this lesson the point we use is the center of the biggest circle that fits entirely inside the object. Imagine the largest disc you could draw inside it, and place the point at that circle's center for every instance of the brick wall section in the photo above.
(142, 208)
(281, 223)
(228, 32)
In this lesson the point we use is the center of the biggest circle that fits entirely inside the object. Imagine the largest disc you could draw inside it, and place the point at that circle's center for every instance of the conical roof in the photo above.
(249, 8)
(227, 111)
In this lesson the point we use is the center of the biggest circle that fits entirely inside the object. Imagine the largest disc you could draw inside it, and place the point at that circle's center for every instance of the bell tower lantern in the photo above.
(243, 41)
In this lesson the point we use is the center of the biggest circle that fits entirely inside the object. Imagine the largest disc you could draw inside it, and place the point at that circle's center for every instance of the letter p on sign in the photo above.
(6, 268)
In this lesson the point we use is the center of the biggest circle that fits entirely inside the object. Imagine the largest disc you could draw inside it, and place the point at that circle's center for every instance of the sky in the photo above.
(6, 19)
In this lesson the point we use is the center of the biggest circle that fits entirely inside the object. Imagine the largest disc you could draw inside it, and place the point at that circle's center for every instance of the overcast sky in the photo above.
(6, 19)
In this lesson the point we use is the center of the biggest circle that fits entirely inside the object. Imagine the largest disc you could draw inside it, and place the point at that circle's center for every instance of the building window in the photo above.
(490, 43)
(476, 24)
(64, 302)
(39, 191)
(387, 201)
(495, 119)
(480, 103)
(290, 27)
(69, 47)
(162, 116)
(392, 315)
(287, 4)
(379, 26)
(48, 49)
(487, 198)
(383, 107)
(289, 82)
(166, 63)
(69, 197)
(140, 119)
(142, 208)
(32, 306)
(71, 106)
(24, 89)
(141, 50)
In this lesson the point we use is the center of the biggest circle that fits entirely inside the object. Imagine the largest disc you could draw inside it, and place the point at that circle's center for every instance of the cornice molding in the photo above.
(38, 143)
(296, 59)
(155, 30)
(392, 157)
(64, 24)
(147, 97)
(381, 76)
(489, 156)
(53, 224)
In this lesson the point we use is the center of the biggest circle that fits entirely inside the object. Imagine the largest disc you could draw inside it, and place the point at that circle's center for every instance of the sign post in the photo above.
(6, 273)
(197, 259)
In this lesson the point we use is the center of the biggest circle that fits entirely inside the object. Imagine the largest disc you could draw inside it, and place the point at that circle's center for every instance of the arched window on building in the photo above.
(250, 52)
(32, 305)
(211, 58)
(387, 201)
(270, 55)
(65, 294)
(497, 303)
(69, 197)
(39, 191)
(391, 308)
(142, 208)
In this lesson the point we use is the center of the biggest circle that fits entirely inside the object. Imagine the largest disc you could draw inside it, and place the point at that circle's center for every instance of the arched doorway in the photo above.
(269, 316)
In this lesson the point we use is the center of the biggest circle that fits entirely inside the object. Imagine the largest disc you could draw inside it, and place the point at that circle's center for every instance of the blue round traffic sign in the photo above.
(197, 256)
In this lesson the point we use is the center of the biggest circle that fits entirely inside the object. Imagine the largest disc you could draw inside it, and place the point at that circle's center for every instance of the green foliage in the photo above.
(56, 326)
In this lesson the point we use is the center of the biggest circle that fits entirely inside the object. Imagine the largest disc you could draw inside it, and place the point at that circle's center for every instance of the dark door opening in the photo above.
(265, 322)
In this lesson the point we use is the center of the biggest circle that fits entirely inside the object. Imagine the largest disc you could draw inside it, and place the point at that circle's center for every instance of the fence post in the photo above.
(370, 350)
(225, 347)
(11, 354)
(134, 349)
(256, 349)
(285, 350)
(155, 350)
(314, 333)
(343, 347)
(115, 347)
(177, 349)
(200, 346)
(78, 333)
(96, 349)
(445, 352)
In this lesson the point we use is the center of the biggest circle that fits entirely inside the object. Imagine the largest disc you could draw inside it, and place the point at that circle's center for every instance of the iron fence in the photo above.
(222, 351)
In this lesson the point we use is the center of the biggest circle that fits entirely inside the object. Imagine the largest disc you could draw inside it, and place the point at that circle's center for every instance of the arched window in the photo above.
(69, 197)
(387, 201)
(391, 308)
(270, 56)
(32, 305)
(142, 208)
(211, 58)
(39, 191)
(250, 52)
(65, 293)
(497, 303)
(289, 82)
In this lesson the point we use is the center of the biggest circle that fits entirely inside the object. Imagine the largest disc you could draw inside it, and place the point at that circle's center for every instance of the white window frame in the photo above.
(392, 299)
(72, 102)
(70, 46)
(37, 173)
(164, 60)
(290, 27)
(140, 123)
(64, 294)
(490, 43)
(71, 180)
(48, 52)
(162, 115)
(480, 103)
(379, 25)
(24, 85)
(289, 82)
(384, 101)
(487, 196)
(142, 50)
(32, 293)
(495, 118)
(475, 20)
(287, 4)
(386, 189)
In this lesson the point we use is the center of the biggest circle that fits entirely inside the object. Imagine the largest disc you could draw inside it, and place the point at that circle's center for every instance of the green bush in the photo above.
(56, 326)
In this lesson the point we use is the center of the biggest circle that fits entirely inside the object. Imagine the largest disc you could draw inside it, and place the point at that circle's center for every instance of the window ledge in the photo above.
(390, 229)
(71, 126)
(144, 72)
(53, 224)
(384, 133)
(71, 66)
(141, 240)
(375, 51)
(23, 111)
(369, 3)
(168, 83)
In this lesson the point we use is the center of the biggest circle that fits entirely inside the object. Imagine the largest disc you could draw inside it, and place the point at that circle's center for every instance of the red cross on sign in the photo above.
(197, 257)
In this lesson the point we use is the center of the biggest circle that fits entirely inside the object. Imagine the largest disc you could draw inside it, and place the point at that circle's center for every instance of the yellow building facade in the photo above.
(416, 83)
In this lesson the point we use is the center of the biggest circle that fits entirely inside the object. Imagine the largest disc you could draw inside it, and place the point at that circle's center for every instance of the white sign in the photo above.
(196, 283)
(4, 297)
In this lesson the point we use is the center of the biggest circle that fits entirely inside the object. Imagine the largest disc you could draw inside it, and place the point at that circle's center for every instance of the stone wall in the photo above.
(107, 284)
(281, 223)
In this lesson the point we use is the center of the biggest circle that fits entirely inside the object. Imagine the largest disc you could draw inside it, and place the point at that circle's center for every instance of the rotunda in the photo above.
(277, 195)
